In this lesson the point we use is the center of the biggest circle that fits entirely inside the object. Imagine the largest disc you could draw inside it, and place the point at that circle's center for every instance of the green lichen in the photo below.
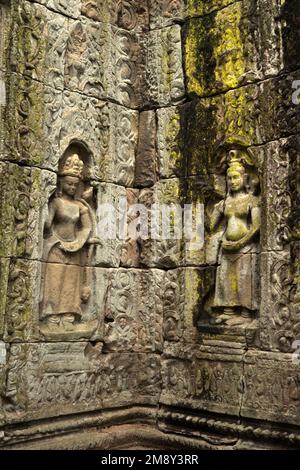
(25, 118)
(4, 268)
(173, 138)
(199, 48)
(214, 56)
(202, 7)
(239, 115)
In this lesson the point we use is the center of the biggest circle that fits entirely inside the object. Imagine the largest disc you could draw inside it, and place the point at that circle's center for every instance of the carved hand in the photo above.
(94, 241)
(70, 246)
(234, 246)
(88, 194)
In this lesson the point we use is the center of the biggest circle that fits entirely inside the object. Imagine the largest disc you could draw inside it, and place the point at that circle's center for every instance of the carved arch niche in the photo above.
(232, 241)
(69, 307)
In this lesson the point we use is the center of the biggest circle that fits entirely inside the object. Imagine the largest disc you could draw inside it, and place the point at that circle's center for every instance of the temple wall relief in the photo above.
(106, 104)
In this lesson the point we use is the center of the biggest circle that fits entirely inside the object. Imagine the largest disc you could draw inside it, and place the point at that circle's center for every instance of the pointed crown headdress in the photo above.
(235, 163)
(73, 166)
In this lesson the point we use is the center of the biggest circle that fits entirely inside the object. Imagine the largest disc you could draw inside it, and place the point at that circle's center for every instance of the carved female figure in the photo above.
(68, 231)
(236, 293)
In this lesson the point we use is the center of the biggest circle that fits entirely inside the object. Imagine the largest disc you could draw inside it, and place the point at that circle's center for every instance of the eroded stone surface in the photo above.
(98, 112)
(75, 378)
(134, 311)
(203, 382)
(280, 303)
(272, 388)
(164, 247)
(25, 311)
(233, 52)
(146, 164)
(123, 13)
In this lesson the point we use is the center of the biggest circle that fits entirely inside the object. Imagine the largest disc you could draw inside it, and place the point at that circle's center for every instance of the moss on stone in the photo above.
(4, 269)
(202, 7)
(214, 56)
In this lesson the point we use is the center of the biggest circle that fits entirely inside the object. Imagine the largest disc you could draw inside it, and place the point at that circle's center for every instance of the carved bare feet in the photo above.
(225, 317)
(68, 321)
(53, 322)
(230, 317)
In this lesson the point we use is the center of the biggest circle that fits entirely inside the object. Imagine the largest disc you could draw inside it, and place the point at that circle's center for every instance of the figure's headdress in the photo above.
(73, 166)
(235, 163)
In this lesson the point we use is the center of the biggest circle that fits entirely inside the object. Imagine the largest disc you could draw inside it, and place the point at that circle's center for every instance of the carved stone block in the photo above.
(130, 256)
(185, 301)
(23, 208)
(110, 200)
(270, 27)
(242, 114)
(69, 8)
(276, 196)
(5, 24)
(134, 311)
(134, 15)
(232, 53)
(170, 142)
(163, 13)
(146, 164)
(91, 57)
(163, 244)
(108, 131)
(22, 302)
(102, 61)
(201, 246)
(272, 387)
(203, 382)
(47, 380)
(280, 307)
(130, 378)
(31, 129)
(123, 13)
(43, 35)
(203, 124)
(4, 272)
(164, 71)
(98, 10)
(281, 118)
(87, 58)
(177, 234)
(32, 287)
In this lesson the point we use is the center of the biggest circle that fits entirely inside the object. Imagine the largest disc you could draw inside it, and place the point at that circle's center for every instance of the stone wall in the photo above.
(153, 96)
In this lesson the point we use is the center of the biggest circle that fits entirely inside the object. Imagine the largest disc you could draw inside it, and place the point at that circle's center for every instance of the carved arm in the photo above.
(216, 216)
(51, 215)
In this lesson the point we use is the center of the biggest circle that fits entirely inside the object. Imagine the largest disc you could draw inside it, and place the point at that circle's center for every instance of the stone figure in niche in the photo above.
(69, 238)
(235, 299)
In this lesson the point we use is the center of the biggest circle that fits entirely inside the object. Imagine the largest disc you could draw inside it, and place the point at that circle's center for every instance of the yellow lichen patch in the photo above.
(195, 7)
(172, 132)
(202, 7)
(4, 269)
(214, 56)
(193, 295)
(240, 113)
(228, 52)
(193, 63)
